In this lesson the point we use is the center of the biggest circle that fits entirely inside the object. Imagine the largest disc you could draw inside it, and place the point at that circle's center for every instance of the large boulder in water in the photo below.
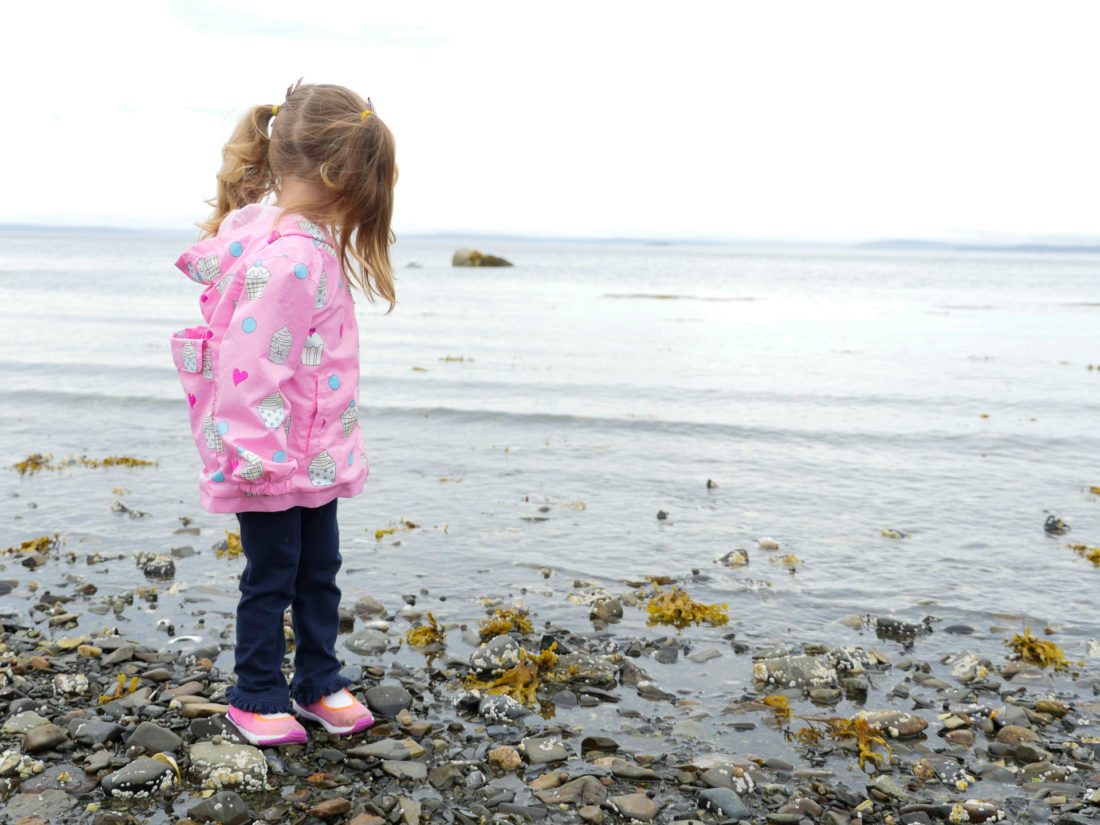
(471, 257)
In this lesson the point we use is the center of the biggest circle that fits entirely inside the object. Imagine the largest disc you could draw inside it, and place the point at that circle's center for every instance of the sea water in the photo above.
(533, 421)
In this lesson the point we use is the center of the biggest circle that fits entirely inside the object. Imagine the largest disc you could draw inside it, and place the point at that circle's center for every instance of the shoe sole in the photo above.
(362, 724)
(294, 737)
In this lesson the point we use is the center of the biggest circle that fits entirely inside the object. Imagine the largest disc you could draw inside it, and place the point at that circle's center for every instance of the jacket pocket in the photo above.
(192, 352)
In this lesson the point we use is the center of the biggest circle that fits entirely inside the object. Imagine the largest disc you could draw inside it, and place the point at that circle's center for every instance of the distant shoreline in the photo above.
(883, 245)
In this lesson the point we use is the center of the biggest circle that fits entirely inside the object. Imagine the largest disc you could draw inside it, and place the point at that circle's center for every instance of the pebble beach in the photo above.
(696, 535)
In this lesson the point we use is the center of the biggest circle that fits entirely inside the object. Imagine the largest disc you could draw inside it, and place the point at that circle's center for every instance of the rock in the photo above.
(733, 777)
(584, 789)
(414, 771)
(635, 806)
(368, 606)
(623, 769)
(23, 722)
(598, 743)
(497, 707)
(225, 807)
(389, 749)
(48, 806)
(70, 684)
(410, 811)
(156, 565)
(471, 257)
(735, 558)
(505, 758)
(888, 788)
(705, 655)
(723, 803)
(388, 700)
(1016, 735)
(367, 642)
(15, 764)
(495, 656)
(688, 729)
(62, 777)
(329, 808)
(218, 766)
(606, 610)
(195, 710)
(44, 738)
(154, 739)
(591, 813)
(540, 751)
(583, 669)
(140, 779)
(896, 723)
(1054, 526)
(795, 671)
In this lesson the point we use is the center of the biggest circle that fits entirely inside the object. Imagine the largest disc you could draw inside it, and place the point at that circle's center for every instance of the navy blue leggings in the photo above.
(292, 560)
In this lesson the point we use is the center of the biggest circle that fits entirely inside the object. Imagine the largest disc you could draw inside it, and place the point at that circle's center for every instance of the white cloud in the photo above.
(835, 120)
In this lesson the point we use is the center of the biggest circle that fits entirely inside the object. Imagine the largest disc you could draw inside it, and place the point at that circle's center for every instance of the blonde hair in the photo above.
(328, 136)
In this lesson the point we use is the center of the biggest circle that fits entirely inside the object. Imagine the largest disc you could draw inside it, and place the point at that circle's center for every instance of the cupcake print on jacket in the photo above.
(223, 284)
(281, 342)
(190, 358)
(349, 418)
(311, 352)
(317, 234)
(253, 469)
(272, 410)
(322, 470)
(213, 437)
(255, 279)
(322, 292)
(207, 367)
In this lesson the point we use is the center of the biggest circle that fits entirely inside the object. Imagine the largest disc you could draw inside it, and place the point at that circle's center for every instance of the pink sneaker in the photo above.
(267, 728)
(338, 713)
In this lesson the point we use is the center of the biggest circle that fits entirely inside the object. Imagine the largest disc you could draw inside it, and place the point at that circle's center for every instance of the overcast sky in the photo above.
(760, 120)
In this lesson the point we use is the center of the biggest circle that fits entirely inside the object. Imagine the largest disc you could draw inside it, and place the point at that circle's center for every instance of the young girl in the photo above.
(272, 381)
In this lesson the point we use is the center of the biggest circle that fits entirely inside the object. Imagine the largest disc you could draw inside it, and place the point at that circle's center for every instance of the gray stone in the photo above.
(635, 806)
(388, 700)
(119, 655)
(44, 738)
(889, 787)
(23, 722)
(98, 761)
(48, 806)
(896, 723)
(606, 610)
(369, 606)
(624, 769)
(154, 739)
(728, 776)
(389, 749)
(225, 807)
(705, 655)
(795, 671)
(415, 771)
(215, 765)
(540, 751)
(62, 777)
(1031, 752)
(497, 707)
(140, 779)
(472, 257)
(688, 729)
(724, 803)
(583, 669)
(94, 731)
(582, 790)
(156, 565)
(367, 642)
(495, 656)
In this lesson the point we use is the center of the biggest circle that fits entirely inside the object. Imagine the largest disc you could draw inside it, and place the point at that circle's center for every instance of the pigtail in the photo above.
(245, 176)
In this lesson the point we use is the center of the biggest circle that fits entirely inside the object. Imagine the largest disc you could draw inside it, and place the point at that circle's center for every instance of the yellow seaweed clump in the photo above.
(401, 526)
(42, 544)
(1039, 652)
(522, 681)
(32, 464)
(121, 689)
(1086, 552)
(838, 728)
(425, 635)
(39, 461)
(780, 706)
(504, 621)
(232, 547)
(676, 608)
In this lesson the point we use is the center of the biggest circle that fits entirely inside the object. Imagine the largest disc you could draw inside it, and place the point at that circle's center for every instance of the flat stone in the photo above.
(367, 642)
(1016, 735)
(724, 803)
(688, 729)
(98, 761)
(154, 739)
(94, 731)
(415, 771)
(330, 807)
(369, 606)
(584, 789)
(217, 766)
(193, 710)
(887, 786)
(705, 655)
(624, 769)
(44, 738)
(50, 805)
(636, 806)
(225, 807)
(23, 722)
(896, 723)
(410, 810)
(389, 749)
(140, 779)
(732, 777)
(543, 750)
(497, 707)
(495, 656)
(388, 700)
(186, 689)
(576, 670)
(62, 777)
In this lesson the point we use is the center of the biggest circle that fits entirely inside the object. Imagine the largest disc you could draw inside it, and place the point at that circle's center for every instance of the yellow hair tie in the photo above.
(275, 110)
(363, 116)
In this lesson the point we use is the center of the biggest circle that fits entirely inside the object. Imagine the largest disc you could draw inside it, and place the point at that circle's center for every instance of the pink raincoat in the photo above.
(272, 379)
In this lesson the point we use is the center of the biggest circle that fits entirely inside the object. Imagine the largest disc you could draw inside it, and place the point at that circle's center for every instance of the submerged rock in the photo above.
(218, 766)
(471, 257)
(141, 779)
